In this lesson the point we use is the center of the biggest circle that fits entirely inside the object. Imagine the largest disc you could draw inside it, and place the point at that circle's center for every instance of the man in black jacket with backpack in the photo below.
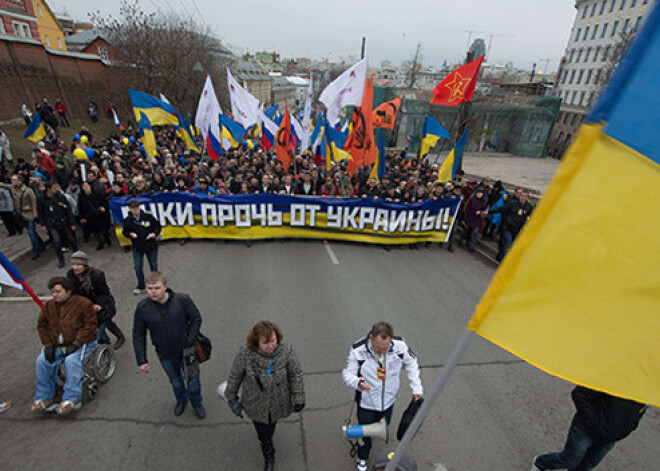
(142, 229)
(173, 321)
(599, 422)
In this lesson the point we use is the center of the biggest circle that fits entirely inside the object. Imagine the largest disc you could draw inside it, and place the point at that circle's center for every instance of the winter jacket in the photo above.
(56, 212)
(514, 214)
(272, 384)
(89, 206)
(6, 201)
(96, 289)
(25, 201)
(362, 362)
(605, 418)
(470, 217)
(147, 224)
(173, 326)
(75, 319)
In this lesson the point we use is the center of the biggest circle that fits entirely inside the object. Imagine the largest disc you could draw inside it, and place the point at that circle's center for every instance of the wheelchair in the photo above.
(98, 367)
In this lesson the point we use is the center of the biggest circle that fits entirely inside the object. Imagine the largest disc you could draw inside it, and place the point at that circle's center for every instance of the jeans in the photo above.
(138, 264)
(61, 236)
(102, 334)
(47, 374)
(580, 453)
(365, 417)
(174, 371)
(36, 241)
(470, 234)
(506, 239)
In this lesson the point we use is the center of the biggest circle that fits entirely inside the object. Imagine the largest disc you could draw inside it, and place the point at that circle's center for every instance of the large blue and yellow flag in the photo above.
(231, 132)
(147, 135)
(451, 164)
(158, 112)
(578, 295)
(431, 132)
(379, 166)
(36, 130)
(184, 131)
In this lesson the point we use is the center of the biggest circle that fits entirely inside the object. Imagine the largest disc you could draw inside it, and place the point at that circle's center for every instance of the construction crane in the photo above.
(488, 34)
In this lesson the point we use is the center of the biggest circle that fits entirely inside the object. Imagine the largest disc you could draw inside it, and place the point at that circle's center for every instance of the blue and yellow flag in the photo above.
(147, 135)
(451, 164)
(184, 131)
(231, 133)
(431, 132)
(379, 166)
(36, 130)
(158, 112)
(578, 295)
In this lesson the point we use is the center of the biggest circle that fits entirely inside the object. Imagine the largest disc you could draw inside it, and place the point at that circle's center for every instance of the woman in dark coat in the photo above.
(95, 212)
(271, 376)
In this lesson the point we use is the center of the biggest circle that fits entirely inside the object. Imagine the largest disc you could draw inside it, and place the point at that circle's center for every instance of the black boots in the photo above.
(269, 456)
(116, 331)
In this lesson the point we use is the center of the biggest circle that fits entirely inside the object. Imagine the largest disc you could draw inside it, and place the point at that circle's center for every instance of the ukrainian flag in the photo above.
(335, 141)
(450, 166)
(158, 112)
(184, 131)
(431, 132)
(147, 135)
(379, 166)
(231, 132)
(35, 131)
(578, 295)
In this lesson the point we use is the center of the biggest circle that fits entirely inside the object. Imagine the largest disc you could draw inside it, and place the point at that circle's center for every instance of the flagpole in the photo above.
(430, 399)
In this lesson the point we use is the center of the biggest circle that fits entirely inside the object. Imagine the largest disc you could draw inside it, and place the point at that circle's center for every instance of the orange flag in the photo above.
(385, 115)
(458, 86)
(362, 144)
(283, 141)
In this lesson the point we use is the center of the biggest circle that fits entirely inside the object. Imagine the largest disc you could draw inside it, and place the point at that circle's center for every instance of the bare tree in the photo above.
(413, 67)
(163, 54)
(613, 57)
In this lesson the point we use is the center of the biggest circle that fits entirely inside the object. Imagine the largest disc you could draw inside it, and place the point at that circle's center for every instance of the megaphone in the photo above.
(377, 430)
(222, 387)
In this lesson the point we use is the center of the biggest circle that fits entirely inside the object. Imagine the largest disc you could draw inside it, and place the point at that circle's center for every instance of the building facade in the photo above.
(17, 19)
(50, 31)
(599, 28)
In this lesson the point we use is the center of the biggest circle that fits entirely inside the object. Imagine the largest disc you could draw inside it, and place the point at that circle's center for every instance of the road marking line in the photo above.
(331, 253)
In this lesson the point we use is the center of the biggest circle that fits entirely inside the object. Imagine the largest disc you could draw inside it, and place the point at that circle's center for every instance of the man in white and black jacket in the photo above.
(373, 369)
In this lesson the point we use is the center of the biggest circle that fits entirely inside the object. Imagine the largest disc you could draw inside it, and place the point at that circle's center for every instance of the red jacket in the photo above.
(60, 107)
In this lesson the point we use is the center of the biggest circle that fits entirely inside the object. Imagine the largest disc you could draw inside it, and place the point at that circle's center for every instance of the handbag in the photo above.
(203, 344)
(408, 416)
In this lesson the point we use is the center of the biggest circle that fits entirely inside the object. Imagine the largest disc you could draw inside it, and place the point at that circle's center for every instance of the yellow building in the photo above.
(50, 30)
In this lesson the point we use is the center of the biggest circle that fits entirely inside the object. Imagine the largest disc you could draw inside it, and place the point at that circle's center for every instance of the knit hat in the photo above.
(80, 258)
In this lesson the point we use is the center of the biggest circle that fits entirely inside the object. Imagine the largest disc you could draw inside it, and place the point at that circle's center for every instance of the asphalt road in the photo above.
(496, 412)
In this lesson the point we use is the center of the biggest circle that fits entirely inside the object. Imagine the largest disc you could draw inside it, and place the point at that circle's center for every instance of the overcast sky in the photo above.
(526, 31)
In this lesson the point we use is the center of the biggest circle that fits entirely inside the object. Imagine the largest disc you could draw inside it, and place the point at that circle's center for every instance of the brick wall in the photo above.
(29, 73)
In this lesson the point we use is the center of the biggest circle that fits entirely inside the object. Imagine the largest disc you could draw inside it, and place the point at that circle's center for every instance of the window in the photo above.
(574, 121)
(592, 95)
(586, 34)
(615, 26)
(632, 3)
(572, 77)
(597, 77)
(623, 4)
(584, 12)
(596, 53)
(589, 74)
(625, 25)
(565, 76)
(579, 56)
(47, 41)
(602, 34)
(579, 79)
(606, 53)
(103, 53)
(22, 30)
(638, 22)
(582, 95)
(586, 57)
(59, 42)
(612, 6)
(593, 9)
(566, 116)
(39, 10)
(602, 7)
(572, 54)
(573, 100)
(593, 36)
(577, 35)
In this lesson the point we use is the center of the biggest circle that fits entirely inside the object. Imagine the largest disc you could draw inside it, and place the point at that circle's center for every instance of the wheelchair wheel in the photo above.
(90, 391)
(103, 363)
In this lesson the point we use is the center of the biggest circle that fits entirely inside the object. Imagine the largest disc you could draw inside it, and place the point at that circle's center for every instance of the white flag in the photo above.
(208, 110)
(347, 89)
(244, 106)
(307, 118)
(164, 98)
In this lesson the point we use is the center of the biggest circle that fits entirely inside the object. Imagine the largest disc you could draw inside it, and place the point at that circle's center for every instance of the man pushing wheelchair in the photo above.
(67, 329)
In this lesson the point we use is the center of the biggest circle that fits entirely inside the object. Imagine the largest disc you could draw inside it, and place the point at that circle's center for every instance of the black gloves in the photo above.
(236, 407)
(70, 349)
(49, 353)
(298, 407)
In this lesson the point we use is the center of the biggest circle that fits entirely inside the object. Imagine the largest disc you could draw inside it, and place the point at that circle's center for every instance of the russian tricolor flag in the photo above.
(10, 276)
(213, 146)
